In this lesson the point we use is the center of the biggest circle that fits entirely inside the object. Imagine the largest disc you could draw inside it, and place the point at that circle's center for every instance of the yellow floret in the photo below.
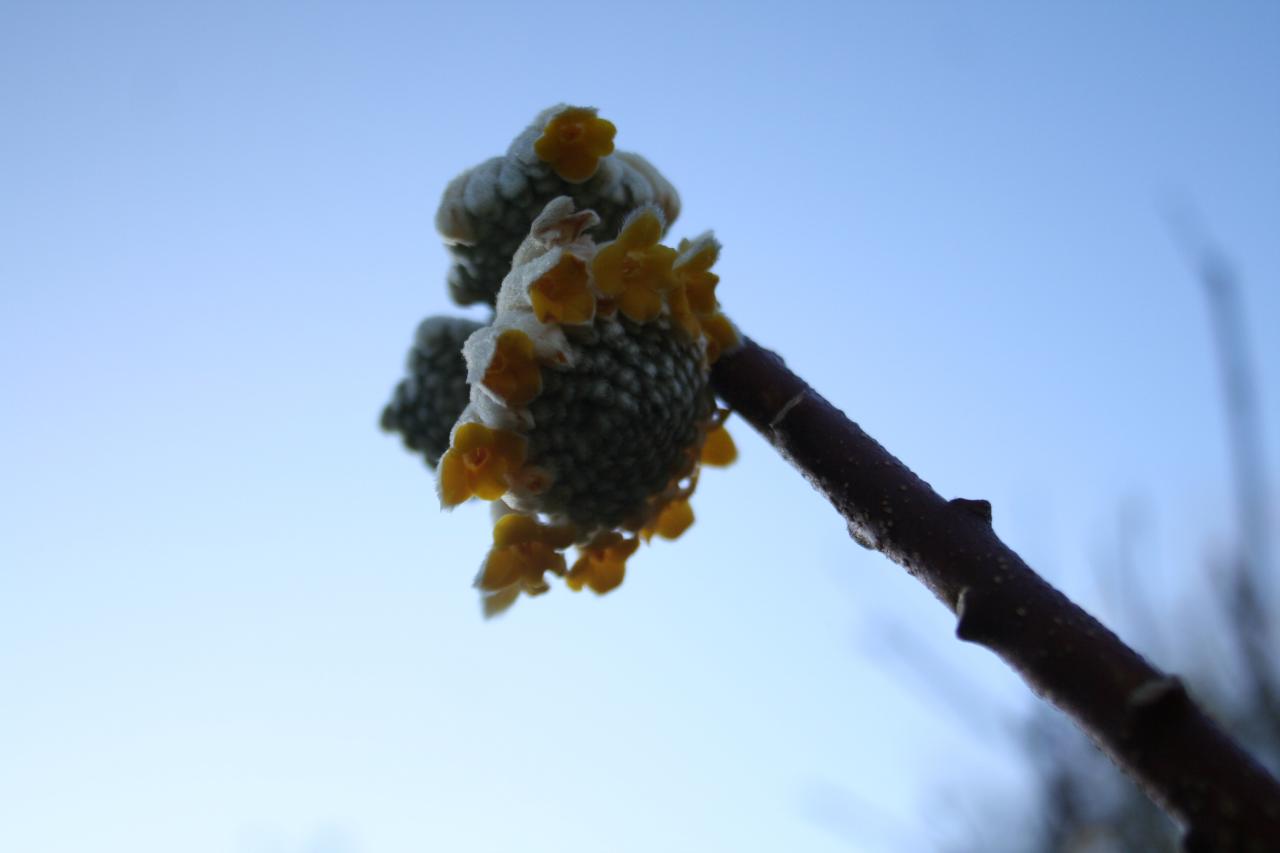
(603, 563)
(696, 276)
(635, 270)
(721, 335)
(674, 519)
(513, 373)
(718, 449)
(573, 142)
(523, 552)
(478, 463)
(681, 313)
(563, 294)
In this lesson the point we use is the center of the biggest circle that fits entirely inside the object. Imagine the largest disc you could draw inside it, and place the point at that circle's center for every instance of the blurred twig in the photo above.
(1141, 717)
(1252, 583)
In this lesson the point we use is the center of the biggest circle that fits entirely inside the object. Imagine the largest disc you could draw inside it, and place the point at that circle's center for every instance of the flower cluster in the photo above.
(567, 151)
(588, 412)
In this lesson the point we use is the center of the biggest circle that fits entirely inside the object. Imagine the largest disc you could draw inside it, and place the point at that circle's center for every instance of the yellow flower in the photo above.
(718, 449)
(603, 563)
(513, 373)
(674, 519)
(523, 552)
(694, 272)
(573, 142)
(478, 463)
(635, 269)
(562, 294)
(721, 335)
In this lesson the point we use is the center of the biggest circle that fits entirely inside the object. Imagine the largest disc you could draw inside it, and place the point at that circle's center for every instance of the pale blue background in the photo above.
(231, 616)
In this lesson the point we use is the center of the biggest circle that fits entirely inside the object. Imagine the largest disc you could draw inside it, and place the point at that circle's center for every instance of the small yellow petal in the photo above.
(599, 137)
(521, 556)
(705, 258)
(514, 528)
(469, 436)
(603, 563)
(562, 294)
(718, 449)
(693, 270)
(721, 336)
(640, 304)
(660, 275)
(702, 292)
(513, 373)
(678, 302)
(573, 142)
(606, 576)
(497, 603)
(675, 519)
(479, 462)
(502, 568)
(489, 483)
(607, 267)
(635, 266)
(641, 230)
(453, 479)
(579, 308)
(524, 565)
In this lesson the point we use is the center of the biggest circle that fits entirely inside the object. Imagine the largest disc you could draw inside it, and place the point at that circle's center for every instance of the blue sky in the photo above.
(231, 616)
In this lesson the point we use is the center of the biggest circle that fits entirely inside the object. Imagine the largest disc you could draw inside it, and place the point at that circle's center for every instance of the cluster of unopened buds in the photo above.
(582, 409)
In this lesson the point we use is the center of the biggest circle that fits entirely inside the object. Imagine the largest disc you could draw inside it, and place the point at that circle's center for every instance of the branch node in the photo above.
(980, 508)
(782, 413)
(862, 534)
(1153, 699)
(968, 627)
(1197, 840)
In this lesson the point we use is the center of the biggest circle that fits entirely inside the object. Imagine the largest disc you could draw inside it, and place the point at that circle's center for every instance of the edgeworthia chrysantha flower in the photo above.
(582, 409)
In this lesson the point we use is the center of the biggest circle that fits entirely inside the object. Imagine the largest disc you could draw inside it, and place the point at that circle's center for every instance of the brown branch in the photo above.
(1138, 715)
